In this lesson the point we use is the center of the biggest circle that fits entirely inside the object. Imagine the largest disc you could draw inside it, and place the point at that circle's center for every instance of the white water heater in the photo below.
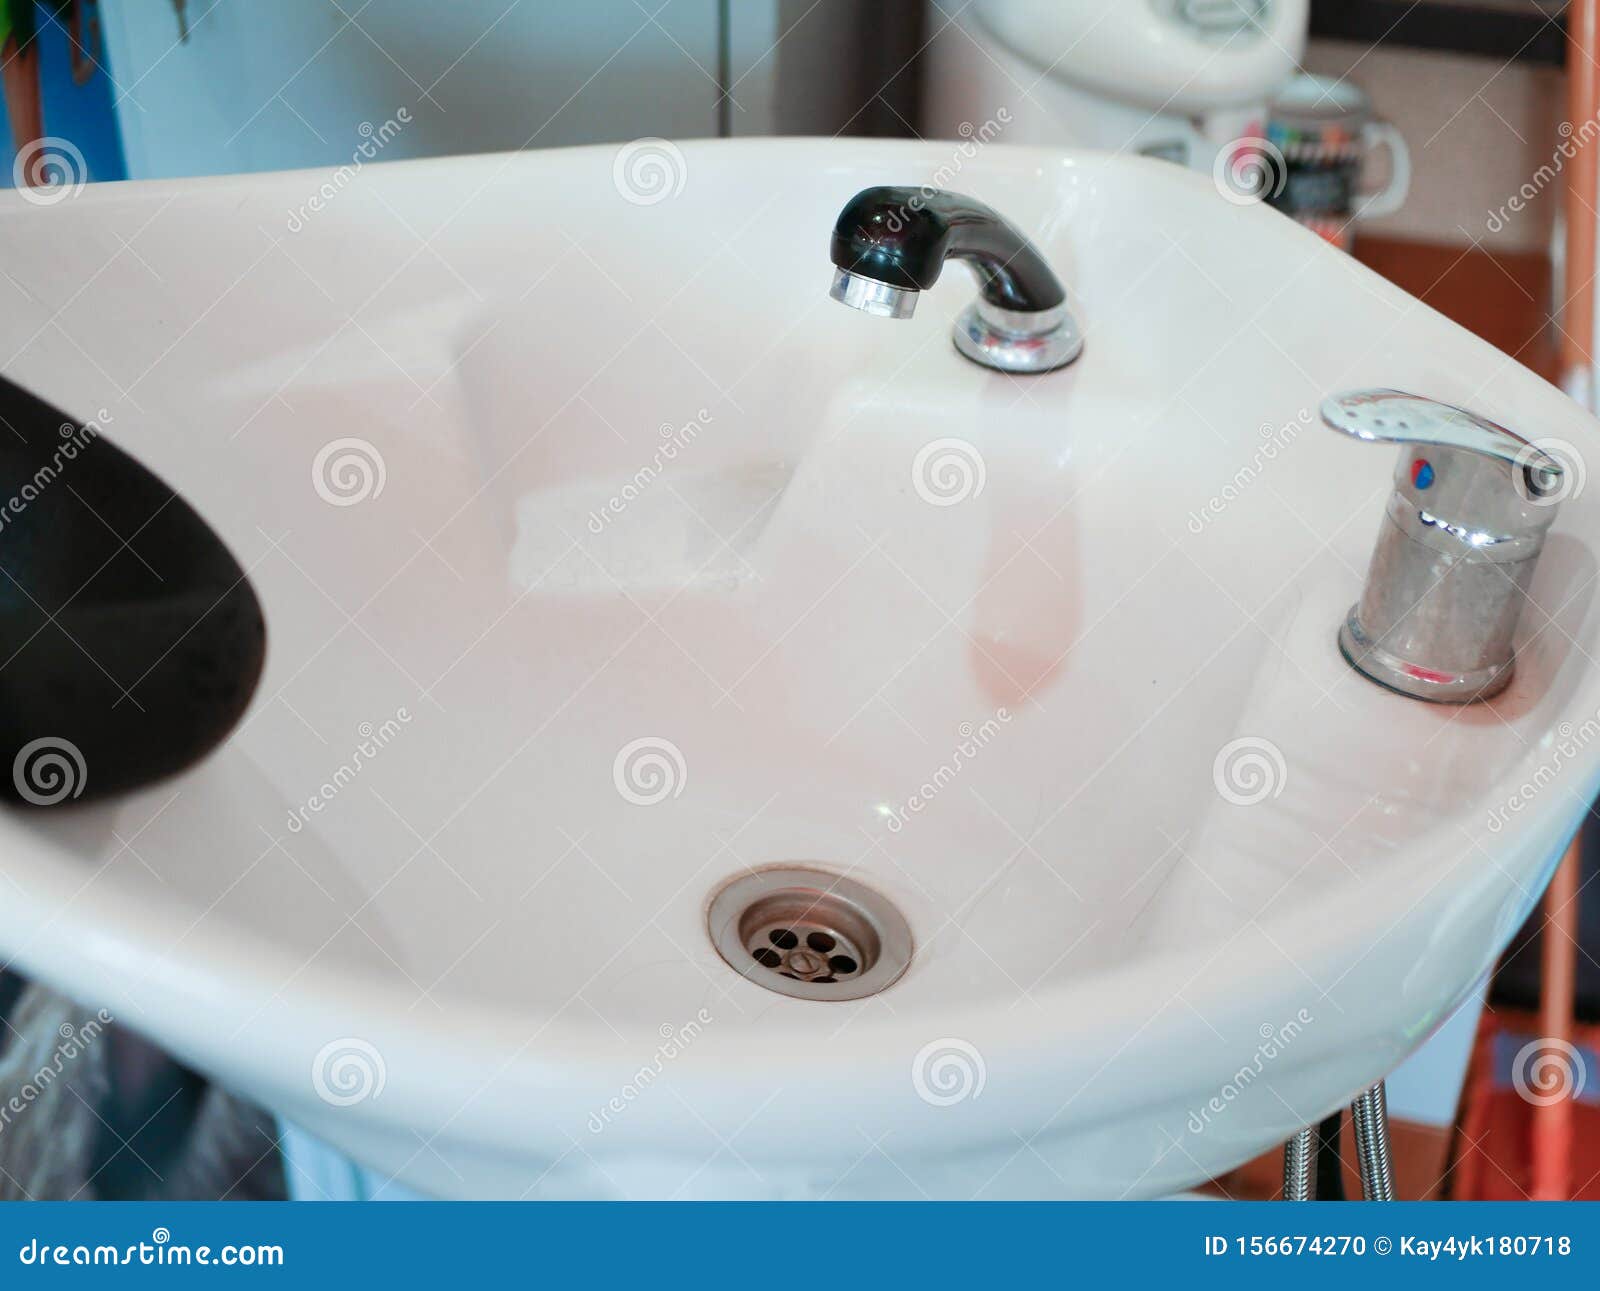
(1178, 79)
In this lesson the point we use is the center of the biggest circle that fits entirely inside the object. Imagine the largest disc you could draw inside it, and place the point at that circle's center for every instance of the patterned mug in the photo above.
(1320, 134)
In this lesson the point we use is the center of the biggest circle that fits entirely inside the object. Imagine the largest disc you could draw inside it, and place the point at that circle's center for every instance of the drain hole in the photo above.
(806, 928)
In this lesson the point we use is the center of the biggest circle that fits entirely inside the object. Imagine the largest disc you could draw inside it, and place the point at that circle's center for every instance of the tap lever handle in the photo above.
(1395, 417)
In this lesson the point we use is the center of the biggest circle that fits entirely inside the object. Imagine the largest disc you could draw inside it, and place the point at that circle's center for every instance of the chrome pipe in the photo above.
(1297, 1155)
(1371, 1115)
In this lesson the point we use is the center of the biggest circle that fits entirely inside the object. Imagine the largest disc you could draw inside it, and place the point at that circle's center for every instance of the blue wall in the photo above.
(83, 114)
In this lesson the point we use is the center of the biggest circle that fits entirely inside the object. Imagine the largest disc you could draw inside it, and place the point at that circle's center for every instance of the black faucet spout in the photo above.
(903, 236)
(890, 244)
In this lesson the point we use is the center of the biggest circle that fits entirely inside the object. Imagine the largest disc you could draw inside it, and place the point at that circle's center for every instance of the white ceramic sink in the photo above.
(1135, 964)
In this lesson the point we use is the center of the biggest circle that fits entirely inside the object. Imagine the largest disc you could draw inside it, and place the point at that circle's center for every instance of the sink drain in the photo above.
(810, 934)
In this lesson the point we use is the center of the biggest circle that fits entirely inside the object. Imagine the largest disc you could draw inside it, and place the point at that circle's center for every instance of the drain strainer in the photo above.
(807, 933)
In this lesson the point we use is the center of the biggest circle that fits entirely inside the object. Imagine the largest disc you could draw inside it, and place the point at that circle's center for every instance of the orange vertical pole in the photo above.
(1583, 109)
(19, 73)
(1551, 1148)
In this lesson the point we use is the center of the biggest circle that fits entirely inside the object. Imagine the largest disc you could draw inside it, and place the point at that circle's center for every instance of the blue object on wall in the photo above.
(84, 115)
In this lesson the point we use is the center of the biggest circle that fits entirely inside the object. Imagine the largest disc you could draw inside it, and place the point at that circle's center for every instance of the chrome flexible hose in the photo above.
(1297, 1166)
(1371, 1116)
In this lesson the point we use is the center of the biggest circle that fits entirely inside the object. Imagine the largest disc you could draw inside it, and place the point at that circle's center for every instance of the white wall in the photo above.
(1478, 129)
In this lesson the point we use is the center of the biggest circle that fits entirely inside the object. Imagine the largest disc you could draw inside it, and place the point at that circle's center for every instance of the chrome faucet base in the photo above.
(1456, 550)
(1392, 672)
(1010, 340)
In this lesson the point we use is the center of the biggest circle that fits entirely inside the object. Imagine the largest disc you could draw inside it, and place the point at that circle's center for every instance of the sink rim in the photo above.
(221, 967)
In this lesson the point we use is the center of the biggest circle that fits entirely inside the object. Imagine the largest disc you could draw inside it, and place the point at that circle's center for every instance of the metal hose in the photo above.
(1297, 1167)
(1371, 1116)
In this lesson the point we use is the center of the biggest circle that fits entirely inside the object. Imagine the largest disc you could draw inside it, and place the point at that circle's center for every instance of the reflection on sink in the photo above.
(1047, 662)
